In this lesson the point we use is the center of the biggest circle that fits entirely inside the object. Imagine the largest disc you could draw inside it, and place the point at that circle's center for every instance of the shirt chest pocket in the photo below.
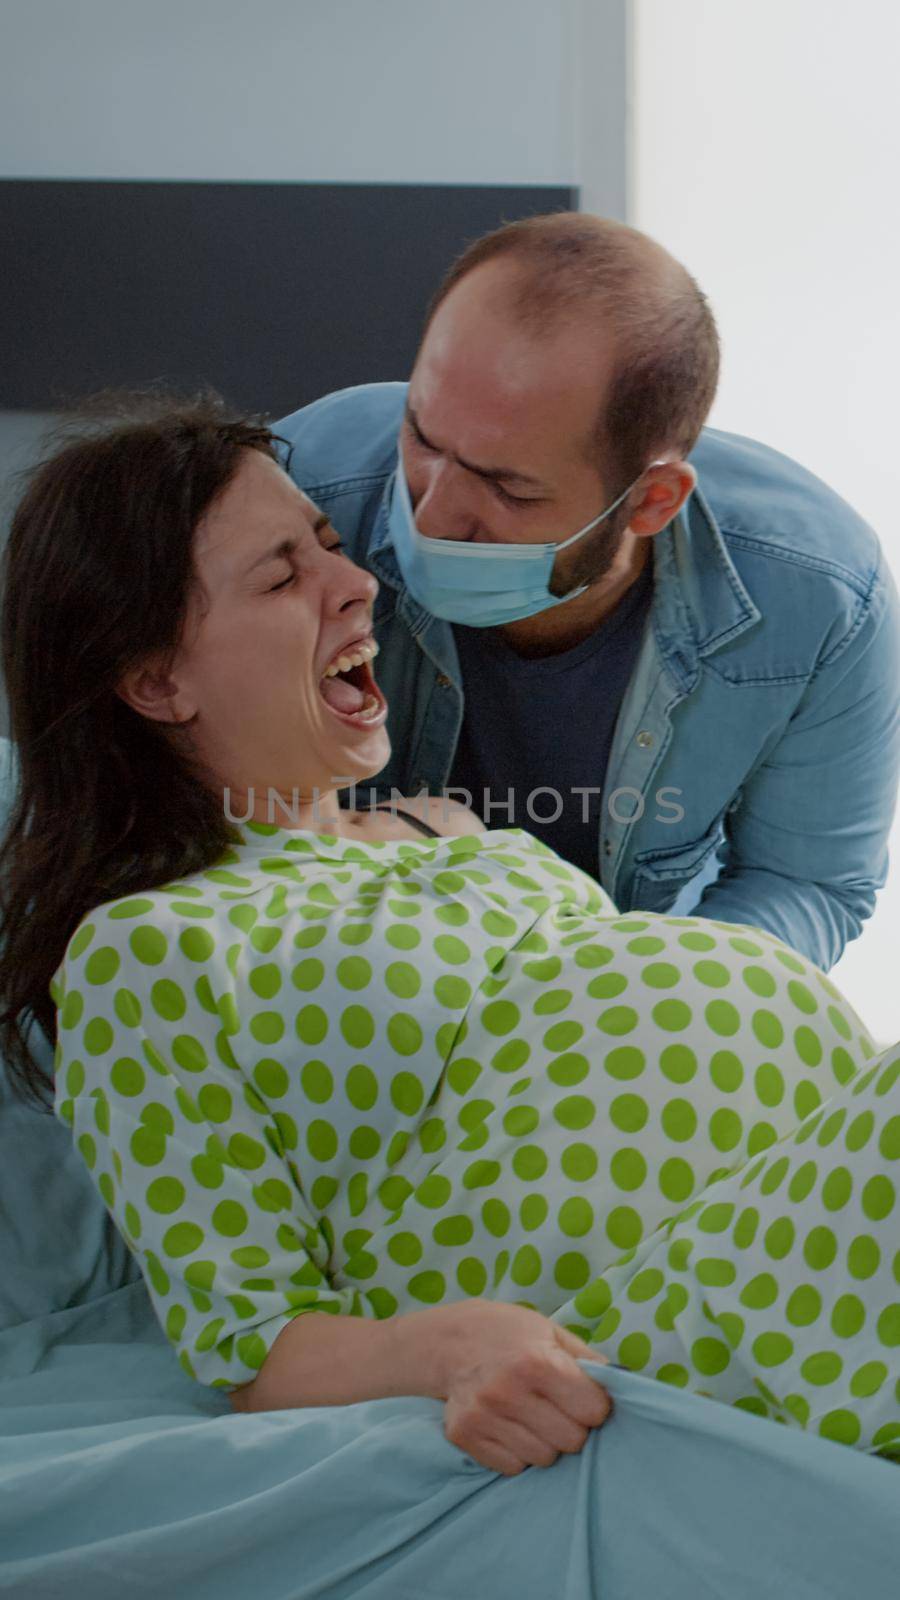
(660, 874)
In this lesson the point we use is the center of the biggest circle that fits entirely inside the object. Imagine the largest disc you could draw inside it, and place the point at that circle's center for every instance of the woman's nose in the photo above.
(348, 584)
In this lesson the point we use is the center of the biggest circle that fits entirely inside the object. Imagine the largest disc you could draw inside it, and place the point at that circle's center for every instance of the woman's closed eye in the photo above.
(335, 548)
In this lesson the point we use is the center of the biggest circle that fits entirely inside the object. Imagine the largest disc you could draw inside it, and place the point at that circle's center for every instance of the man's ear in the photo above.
(152, 692)
(666, 487)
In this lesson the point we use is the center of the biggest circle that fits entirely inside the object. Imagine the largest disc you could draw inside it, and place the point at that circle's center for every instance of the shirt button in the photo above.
(607, 848)
(645, 739)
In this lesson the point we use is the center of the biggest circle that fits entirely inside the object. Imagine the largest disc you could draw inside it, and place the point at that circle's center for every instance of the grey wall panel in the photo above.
(272, 292)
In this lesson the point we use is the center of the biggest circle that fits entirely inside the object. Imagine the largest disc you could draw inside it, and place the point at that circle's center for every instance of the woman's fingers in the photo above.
(573, 1391)
(523, 1445)
(548, 1425)
(491, 1453)
(577, 1347)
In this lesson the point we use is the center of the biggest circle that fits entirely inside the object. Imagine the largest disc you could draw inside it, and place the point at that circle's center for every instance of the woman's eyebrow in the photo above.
(286, 547)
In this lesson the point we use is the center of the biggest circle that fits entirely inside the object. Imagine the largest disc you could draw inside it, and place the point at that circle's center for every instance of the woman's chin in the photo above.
(364, 752)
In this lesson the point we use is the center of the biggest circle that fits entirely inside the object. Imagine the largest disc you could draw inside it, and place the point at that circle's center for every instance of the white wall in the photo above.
(352, 91)
(766, 158)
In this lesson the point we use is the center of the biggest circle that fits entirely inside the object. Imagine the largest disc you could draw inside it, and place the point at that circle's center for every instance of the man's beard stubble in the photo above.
(593, 563)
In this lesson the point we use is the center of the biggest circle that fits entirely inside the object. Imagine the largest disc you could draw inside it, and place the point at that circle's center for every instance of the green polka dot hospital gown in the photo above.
(364, 1078)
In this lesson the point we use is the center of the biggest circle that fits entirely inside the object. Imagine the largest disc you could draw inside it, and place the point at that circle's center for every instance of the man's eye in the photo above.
(336, 548)
(417, 437)
(515, 499)
(283, 584)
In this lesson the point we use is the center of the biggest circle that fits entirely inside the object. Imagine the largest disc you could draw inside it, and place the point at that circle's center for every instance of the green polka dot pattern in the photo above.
(778, 1289)
(366, 1077)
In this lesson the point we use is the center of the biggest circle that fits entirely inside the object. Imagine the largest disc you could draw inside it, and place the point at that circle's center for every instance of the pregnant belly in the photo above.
(594, 1090)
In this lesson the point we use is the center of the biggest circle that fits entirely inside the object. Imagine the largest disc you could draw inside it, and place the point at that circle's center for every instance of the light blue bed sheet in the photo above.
(119, 1475)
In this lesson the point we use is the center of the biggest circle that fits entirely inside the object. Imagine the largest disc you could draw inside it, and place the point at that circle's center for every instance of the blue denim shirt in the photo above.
(754, 768)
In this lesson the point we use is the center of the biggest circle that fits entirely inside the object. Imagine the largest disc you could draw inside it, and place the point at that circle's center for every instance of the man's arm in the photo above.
(808, 844)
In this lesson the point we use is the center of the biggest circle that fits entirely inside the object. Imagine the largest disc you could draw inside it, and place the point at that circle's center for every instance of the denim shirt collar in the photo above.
(700, 602)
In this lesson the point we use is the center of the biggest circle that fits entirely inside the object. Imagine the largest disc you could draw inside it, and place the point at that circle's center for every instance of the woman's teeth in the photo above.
(369, 708)
(365, 652)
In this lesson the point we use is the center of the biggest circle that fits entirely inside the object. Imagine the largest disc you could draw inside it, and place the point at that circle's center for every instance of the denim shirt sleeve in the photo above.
(808, 844)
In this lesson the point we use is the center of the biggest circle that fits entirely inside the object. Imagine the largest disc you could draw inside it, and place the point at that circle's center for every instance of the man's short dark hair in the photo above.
(574, 267)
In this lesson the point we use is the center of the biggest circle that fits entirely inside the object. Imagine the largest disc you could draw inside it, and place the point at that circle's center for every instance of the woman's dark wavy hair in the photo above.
(97, 575)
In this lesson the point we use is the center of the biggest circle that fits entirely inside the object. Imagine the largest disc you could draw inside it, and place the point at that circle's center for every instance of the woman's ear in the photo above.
(152, 692)
(667, 486)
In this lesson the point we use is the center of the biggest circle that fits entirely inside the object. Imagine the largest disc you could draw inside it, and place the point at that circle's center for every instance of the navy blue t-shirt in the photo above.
(548, 723)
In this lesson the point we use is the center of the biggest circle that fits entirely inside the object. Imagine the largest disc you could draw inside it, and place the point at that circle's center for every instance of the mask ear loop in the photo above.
(609, 510)
(588, 525)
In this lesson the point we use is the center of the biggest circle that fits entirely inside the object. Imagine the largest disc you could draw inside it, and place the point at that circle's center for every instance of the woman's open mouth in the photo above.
(349, 689)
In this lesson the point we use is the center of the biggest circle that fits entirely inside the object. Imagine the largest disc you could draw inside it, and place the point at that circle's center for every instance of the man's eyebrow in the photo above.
(493, 474)
(286, 547)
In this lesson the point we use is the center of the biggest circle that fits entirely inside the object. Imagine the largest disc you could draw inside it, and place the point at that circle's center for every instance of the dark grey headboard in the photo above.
(274, 293)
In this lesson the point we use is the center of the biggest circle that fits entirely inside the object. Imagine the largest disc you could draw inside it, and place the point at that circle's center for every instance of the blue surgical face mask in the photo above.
(481, 585)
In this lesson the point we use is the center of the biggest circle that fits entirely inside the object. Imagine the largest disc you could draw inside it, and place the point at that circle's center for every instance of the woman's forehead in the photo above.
(260, 507)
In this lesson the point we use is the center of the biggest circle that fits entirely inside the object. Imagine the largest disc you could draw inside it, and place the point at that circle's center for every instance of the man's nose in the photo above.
(445, 501)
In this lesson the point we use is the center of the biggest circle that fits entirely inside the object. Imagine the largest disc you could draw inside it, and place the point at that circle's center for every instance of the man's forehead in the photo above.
(527, 414)
(471, 354)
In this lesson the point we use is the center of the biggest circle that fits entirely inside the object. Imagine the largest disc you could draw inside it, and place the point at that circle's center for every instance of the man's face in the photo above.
(496, 439)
